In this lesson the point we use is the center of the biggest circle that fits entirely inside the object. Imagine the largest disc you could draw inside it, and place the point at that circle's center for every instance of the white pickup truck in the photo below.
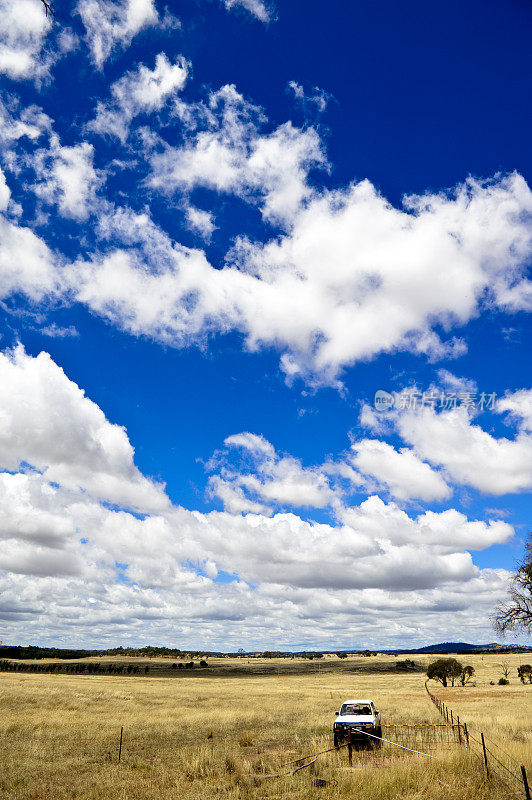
(357, 715)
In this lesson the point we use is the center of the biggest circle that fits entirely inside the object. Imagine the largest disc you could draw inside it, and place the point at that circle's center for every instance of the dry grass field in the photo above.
(207, 735)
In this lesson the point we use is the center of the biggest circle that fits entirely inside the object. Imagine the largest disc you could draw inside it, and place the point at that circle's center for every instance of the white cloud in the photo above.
(141, 91)
(351, 278)
(200, 221)
(519, 406)
(5, 192)
(232, 156)
(26, 263)
(317, 101)
(250, 476)
(258, 8)
(30, 124)
(448, 531)
(401, 472)
(23, 31)
(47, 422)
(67, 178)
(269, 478)
(390, 276)
(71, 562)
(112, 25)
(469, 454)
(61, 554)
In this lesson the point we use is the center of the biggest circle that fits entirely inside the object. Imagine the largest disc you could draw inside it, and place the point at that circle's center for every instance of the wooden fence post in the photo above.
(452, 721)
(525, 782)
(485, 755)
(120, 748)
(459, 731)
(466, 734)
(349, 747)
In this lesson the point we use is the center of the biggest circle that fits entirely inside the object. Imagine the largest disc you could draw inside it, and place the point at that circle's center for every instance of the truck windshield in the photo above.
(357, 709)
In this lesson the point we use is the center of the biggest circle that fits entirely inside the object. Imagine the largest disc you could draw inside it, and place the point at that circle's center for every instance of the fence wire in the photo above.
(425, 736)
(499, 765)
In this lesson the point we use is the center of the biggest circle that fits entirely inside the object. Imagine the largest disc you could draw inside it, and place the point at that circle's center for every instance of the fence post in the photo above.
(452, 721)
(525, 782)
(349, 747)
(466, 734)
(459, 731)
(485, 755)
(120, 748)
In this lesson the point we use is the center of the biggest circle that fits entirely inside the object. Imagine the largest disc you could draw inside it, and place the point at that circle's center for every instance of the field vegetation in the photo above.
(218, 732)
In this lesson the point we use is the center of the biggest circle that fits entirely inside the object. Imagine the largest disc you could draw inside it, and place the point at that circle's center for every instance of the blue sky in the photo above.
(225, 225)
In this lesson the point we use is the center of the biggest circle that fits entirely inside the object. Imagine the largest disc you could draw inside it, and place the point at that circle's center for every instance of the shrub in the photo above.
(503, 681)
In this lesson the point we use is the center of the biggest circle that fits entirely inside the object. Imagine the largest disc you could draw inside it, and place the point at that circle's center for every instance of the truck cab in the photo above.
(357, 716)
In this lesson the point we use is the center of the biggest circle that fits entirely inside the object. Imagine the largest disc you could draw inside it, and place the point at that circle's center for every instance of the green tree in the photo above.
(467, 674)
(445, 670)
(525, 673)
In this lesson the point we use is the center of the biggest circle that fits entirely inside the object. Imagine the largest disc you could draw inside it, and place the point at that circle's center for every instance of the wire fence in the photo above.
(500, 766)
(425, 736)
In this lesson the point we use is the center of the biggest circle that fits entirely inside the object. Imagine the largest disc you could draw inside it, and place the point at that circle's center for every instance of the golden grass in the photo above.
(188, 737)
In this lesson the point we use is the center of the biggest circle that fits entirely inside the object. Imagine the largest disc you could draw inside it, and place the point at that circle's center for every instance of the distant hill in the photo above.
(457, 647)
(463, 647)
(34, 652)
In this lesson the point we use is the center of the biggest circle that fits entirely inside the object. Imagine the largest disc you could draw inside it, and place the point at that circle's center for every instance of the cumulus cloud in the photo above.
(112, 25)
(5, 192)
(365, 278)
(19, 124)
(249, 475)
(141, 91)
(67, 178)
(401, 472)
(350, 278)
(119, 571)
(23, 31)
(270, 478)
(469, 454)
(48, 422)
(232, 156)
(354, 278)
(106, 569)
(27, 264)
(519, 407)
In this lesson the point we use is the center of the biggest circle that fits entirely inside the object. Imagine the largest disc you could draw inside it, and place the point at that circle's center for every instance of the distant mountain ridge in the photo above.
(463, 647)
(35, 652)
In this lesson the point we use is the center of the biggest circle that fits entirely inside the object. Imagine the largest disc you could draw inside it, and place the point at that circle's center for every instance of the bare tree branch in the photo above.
(516, 612)
(48, 8)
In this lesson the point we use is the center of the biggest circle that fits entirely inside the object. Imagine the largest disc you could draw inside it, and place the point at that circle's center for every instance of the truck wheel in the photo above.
(378, 732)
(336, 740)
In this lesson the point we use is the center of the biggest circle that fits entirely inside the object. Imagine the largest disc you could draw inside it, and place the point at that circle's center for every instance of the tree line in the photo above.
(450, 670)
